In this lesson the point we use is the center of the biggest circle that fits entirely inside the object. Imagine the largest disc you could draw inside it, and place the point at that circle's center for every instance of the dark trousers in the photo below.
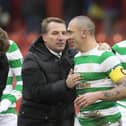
(31, 122)
(31, 116)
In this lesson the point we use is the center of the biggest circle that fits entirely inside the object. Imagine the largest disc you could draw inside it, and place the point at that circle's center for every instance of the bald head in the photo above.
(81, 31)
(84, 22)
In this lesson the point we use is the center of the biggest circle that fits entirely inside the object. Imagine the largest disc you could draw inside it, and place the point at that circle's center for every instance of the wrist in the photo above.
(99, 95)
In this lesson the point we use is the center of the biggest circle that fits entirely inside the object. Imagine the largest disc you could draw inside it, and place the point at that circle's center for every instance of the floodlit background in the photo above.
(22, 18)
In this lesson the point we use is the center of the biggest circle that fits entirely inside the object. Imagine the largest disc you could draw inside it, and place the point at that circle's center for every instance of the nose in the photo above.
(61, 36)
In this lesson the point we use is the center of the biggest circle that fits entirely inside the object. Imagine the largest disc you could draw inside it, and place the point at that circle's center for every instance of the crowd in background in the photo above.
(22, 21)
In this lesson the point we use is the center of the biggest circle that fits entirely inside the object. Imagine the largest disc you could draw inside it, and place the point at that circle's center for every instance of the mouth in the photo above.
(60, 44)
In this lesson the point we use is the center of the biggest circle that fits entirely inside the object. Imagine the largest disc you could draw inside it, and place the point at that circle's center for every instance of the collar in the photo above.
(55, 53)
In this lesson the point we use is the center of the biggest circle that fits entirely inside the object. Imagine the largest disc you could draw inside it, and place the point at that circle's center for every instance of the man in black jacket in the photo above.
(47, 92)
(4, 45)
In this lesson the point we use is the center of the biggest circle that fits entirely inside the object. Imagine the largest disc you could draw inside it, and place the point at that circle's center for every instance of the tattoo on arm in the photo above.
(124, 85)
(108, 94)
(115, 94)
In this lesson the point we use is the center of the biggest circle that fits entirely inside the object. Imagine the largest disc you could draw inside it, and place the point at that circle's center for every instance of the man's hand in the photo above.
(104, 46)
(87, 99)
(72, 79)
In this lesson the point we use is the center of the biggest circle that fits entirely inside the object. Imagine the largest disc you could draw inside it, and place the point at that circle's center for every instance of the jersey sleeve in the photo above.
(15, 59)
(109, 62)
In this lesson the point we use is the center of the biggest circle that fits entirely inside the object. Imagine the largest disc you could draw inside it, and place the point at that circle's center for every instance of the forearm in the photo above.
(39, 88)
(114, 94)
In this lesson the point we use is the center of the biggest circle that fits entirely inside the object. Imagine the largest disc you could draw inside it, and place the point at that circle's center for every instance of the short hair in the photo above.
(4, 41)
(85, 22)
(46, 21)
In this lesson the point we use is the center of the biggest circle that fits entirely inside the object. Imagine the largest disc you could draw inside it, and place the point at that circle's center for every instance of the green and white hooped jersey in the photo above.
(11, 93)
(120, 51)
(94, 67)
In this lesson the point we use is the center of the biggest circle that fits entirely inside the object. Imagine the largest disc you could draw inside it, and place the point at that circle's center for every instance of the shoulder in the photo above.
(119, 44)
(30, 61)
(107, 54)
(13, 45)
(14, 51)
(30, 56)
(72, 52)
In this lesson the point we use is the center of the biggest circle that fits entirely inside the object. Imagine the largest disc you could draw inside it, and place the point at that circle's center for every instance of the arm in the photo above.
(104, 46)
(115, 94)
(116, 76)
(12, 93)
(119, 92)
(36, 86)
(40, 86)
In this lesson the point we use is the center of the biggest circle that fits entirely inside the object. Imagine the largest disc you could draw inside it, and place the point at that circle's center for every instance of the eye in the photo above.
(55, 33)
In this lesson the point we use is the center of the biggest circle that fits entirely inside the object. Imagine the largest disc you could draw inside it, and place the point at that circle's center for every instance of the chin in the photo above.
(59, 49)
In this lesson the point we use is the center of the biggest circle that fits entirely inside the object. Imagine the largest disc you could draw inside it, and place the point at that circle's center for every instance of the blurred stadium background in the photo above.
(22, 18)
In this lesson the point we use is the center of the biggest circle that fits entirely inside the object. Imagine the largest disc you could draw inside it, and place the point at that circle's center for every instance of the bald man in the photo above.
(100, 71)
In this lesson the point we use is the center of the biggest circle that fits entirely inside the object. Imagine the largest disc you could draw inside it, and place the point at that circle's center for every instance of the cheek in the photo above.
(52, 38)
(73, 35)
(76, 41)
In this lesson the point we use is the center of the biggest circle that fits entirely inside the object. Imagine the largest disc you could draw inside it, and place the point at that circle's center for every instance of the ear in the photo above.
(44, 36)
(83, 34)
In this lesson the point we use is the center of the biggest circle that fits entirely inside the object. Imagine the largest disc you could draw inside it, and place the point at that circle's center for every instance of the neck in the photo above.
(88, 45)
